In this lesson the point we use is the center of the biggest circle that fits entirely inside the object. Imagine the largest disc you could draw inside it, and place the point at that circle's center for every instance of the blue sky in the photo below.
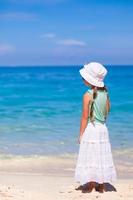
(63, 32)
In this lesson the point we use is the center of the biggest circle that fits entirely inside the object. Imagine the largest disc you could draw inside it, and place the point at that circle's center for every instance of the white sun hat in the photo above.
(94, 73)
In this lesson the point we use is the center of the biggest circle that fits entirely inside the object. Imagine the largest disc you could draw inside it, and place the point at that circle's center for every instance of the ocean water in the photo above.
(40, 109)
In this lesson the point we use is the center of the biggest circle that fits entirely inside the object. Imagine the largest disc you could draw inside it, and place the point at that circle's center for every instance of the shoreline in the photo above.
(60, 165)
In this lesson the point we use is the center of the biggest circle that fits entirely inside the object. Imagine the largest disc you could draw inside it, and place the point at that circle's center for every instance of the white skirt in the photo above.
(95, 162)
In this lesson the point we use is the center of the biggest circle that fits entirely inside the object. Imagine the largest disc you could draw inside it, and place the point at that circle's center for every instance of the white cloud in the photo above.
(64, 42)
(48, 35)
(6, 49)
(17, 16)
(71, 42)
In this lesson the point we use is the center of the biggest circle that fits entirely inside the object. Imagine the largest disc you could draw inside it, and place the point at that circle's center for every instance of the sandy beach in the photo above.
(50, 178)
(32, 187)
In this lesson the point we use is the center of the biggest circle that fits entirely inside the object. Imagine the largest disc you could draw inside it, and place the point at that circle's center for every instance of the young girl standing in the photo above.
(95, 162)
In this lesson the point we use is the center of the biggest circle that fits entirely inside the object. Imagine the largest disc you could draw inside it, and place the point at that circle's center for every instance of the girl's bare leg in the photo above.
(91, 186)
(100, 188)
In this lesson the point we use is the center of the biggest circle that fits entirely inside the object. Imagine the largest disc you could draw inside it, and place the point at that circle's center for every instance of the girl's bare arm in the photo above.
(108, 105)
(85, 113)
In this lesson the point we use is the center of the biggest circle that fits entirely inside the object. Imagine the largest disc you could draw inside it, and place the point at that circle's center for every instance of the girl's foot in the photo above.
(100, 188)
(91, 186)
(79, 187)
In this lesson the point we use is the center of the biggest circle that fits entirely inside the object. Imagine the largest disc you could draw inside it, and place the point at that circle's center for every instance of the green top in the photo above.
(99, 106)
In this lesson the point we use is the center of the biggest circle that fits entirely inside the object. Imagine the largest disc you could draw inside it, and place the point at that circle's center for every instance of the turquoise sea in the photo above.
(40, 109)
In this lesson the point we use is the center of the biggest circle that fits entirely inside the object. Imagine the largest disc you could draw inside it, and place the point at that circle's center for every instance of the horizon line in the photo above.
(70, 65)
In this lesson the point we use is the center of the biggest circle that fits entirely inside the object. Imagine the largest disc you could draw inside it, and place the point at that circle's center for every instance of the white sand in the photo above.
(41, 187)
(52, 178)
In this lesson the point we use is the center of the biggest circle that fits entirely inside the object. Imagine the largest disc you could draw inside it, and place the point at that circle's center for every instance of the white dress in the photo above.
(95, 161)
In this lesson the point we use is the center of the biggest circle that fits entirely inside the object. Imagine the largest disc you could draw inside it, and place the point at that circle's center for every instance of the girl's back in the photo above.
(99, 106)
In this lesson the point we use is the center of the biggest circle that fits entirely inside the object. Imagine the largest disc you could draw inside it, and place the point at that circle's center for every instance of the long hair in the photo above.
(95, 89)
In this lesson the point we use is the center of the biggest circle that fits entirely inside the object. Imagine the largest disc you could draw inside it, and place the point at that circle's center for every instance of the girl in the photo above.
(95, 162)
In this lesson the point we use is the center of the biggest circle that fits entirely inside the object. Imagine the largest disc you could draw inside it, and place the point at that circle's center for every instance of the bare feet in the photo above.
(91, 186)
(100, 188)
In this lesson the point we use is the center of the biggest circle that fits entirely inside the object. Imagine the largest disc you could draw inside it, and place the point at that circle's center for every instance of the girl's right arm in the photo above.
(85, 114)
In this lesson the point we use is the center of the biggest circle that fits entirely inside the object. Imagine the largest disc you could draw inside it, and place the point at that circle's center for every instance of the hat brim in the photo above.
(90, 79)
